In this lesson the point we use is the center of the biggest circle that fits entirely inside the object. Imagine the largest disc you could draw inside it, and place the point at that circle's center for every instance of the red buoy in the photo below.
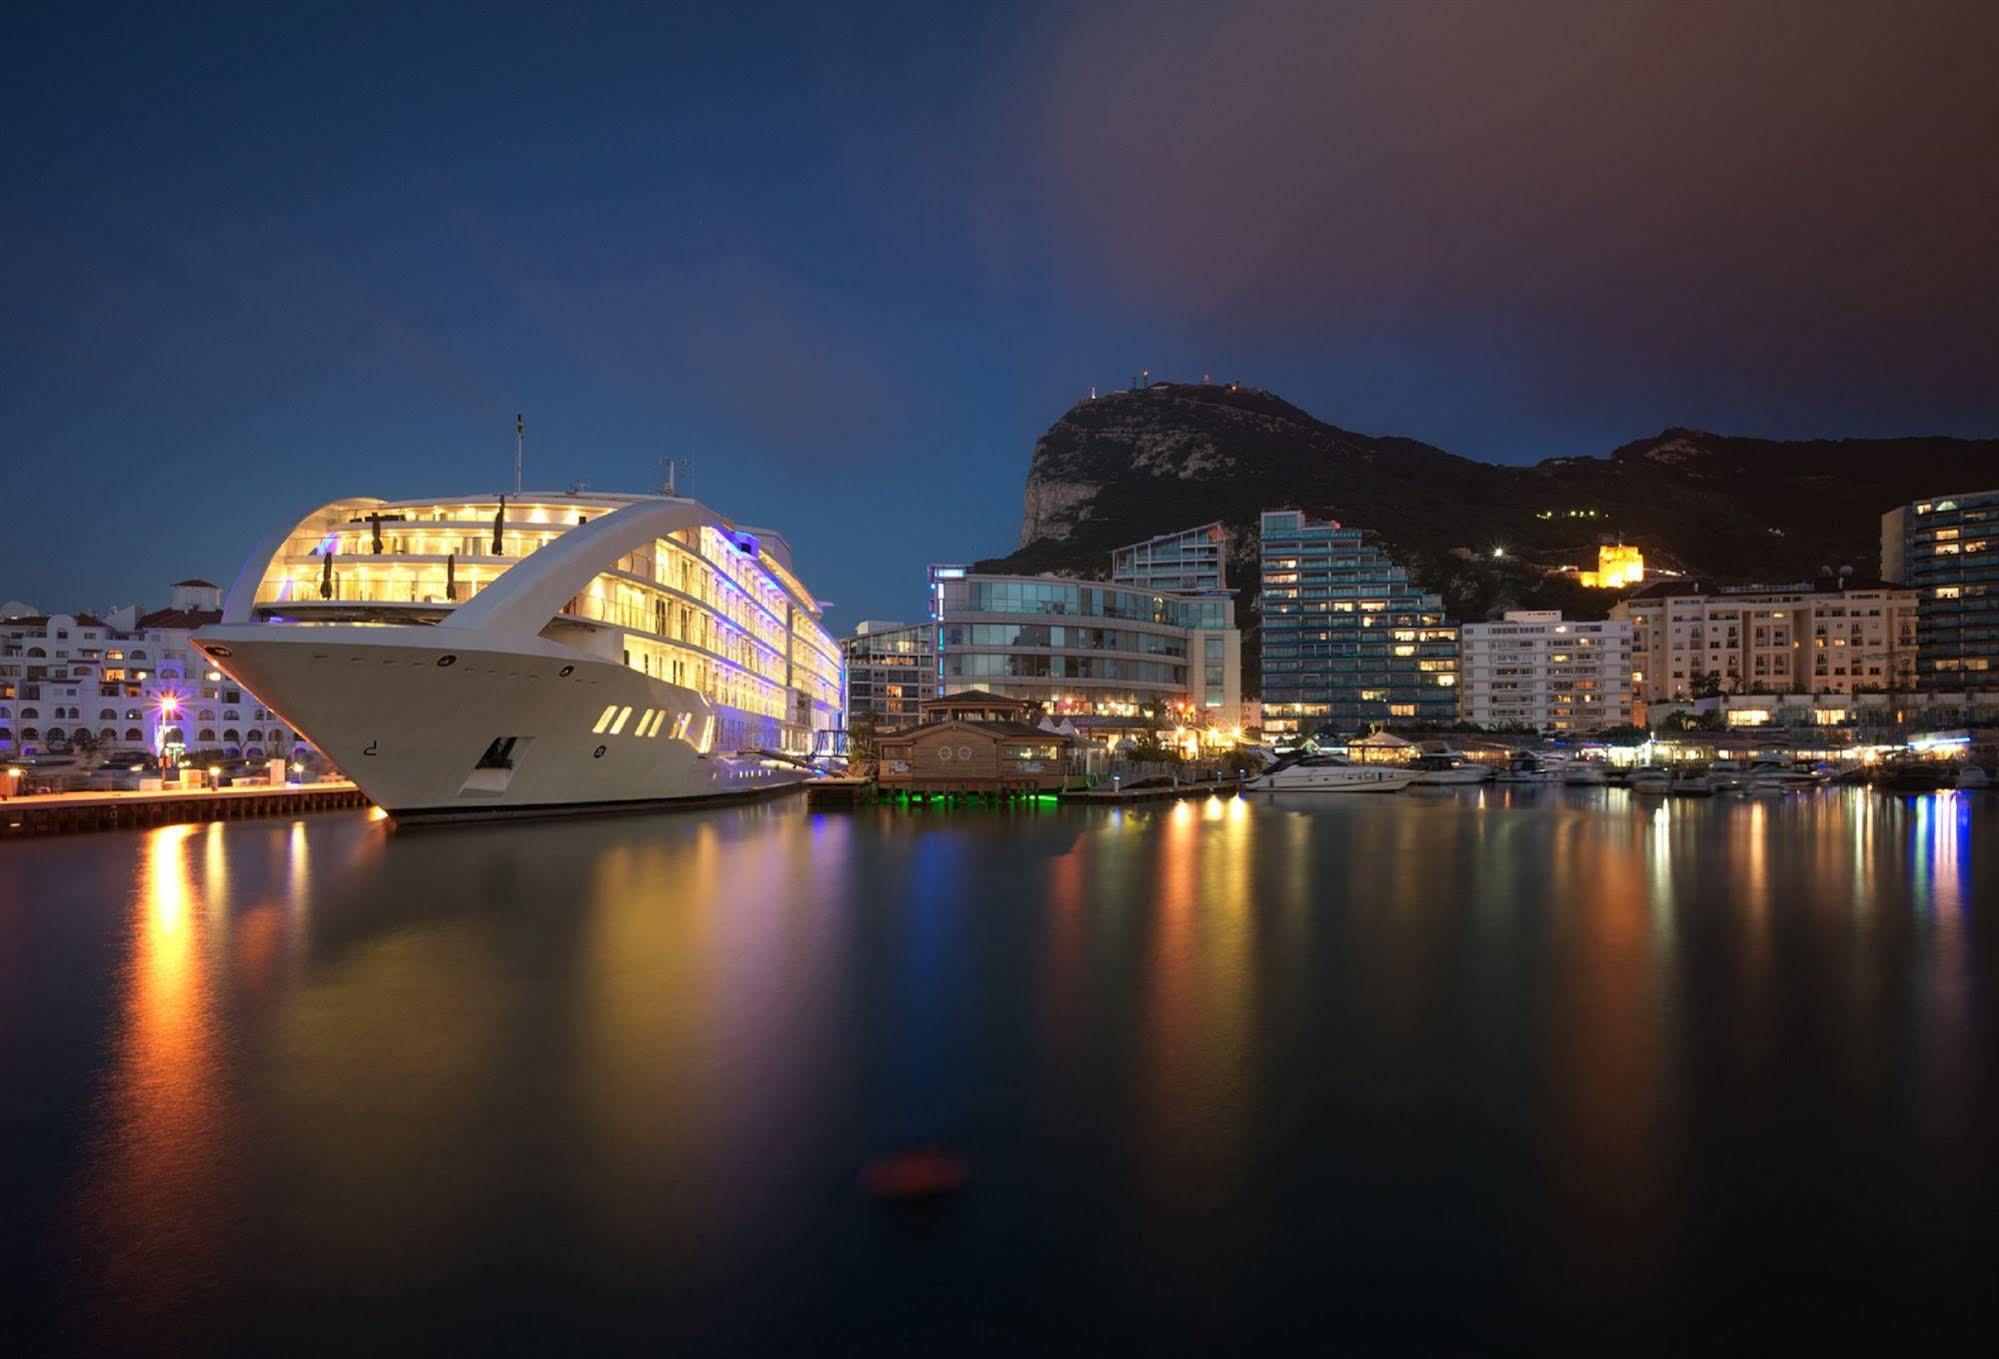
(920, 1173)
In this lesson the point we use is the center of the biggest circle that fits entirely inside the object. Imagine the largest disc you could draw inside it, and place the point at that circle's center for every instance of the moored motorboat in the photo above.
(1726, 776)
(1525, 767)
(1913, 774)
(1651, 778)
(1585, 774)
(1330, 774)
(1448, 769)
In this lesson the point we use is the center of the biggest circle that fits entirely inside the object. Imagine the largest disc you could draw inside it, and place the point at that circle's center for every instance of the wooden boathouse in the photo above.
(978, 744)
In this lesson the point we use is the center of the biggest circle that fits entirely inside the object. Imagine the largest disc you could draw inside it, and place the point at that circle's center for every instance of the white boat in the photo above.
(1448, 769)
(529, 654)
(1691, 783)
(1651, 778)
(1585, 774)
(1331, 774)
(1524, 767)
(1971, 776)
(1728, 775)
(1788, 776)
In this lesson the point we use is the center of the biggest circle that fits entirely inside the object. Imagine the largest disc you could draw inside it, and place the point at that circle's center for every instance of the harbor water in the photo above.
(1534, 1070)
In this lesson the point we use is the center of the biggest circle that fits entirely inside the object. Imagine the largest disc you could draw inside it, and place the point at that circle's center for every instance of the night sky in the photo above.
(853, 266)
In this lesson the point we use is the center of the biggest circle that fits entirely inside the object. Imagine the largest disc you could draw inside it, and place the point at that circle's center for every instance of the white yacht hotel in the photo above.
(535, 653)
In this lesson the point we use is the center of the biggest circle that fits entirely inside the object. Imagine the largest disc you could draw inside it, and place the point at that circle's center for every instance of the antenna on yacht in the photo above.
(520, 438)
(672, 467)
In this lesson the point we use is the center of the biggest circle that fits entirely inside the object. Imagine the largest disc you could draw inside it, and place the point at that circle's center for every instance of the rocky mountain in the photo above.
(1122, 467)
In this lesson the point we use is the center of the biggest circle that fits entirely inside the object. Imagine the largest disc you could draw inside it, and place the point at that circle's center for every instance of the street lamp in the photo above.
(169, 710)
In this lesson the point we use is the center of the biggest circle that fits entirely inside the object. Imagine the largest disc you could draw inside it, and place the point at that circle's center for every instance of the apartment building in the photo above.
(1838, 634)
(1109, 656)
(1946, 549)
(891, 671)
(67, 679)
(1538, 669)
(1347, 639)
(1192, 561)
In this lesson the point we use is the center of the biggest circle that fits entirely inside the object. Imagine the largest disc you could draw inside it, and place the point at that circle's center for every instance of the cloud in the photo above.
(1804, 187)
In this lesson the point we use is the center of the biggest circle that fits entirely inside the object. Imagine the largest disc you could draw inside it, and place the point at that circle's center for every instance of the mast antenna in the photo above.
(672, 467)
(520, 438)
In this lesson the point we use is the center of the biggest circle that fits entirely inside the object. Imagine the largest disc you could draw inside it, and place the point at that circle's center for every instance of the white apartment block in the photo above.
(127, 682)
(1835, 635)
(1537, 668)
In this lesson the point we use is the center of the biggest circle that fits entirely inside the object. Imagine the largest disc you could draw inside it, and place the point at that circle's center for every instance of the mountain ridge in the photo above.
(1122, 467)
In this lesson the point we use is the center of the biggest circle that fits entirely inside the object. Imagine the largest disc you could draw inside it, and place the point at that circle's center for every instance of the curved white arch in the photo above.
(534, 590)
(239, 606)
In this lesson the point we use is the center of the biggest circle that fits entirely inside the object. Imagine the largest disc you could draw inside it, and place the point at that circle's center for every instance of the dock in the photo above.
(66, 813)
(1157, 793)
(836, 793)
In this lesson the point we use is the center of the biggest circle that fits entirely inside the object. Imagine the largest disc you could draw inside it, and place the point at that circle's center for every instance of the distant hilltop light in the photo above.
(1617, 566)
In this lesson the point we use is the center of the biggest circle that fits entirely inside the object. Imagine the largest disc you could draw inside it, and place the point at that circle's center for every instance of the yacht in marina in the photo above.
(1584, 772)
(1524, 766)
(1448, 769)
(1330, 774)
(499, 655)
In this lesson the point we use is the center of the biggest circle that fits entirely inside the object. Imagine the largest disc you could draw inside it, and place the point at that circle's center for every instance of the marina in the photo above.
(1000, 681)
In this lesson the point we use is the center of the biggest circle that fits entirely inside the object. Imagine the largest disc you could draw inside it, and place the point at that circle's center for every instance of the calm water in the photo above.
(1555, 1070)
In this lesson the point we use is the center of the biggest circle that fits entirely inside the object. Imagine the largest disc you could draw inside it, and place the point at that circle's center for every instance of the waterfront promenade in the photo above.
(58, 813)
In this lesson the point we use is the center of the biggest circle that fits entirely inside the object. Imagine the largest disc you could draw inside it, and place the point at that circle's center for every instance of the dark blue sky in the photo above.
(853, 265)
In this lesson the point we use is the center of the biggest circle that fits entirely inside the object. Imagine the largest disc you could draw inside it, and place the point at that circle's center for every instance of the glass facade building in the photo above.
(1947, 550)
(891, 670)
(1086, 649)
(1192, 561)
(1347, 640)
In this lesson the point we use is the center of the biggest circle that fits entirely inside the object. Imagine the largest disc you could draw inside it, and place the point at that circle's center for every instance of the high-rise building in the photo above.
(1347, 639)
(1192, 561)
(1838, 634)
(1536, 668)
(1109, 656)
(1946, 549)
(891, 670)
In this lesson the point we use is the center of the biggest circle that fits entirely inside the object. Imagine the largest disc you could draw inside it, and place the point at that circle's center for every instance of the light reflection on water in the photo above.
(1541, 1064)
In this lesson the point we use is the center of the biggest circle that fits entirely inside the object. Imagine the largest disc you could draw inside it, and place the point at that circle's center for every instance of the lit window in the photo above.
(619, 725)
(605, 720)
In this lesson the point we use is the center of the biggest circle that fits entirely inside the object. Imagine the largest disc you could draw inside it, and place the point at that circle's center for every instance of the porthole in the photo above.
(220, 651)
(600, 752)
(944, 752)
(565, 672)
(446, 661)
(964, 752)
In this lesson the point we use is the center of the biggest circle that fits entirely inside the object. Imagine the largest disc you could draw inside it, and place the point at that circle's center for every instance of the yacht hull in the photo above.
(435, 724)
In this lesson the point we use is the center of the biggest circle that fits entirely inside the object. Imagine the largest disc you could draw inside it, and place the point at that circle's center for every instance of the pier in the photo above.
(834, 793)
(1153, 792)
(64, 813)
